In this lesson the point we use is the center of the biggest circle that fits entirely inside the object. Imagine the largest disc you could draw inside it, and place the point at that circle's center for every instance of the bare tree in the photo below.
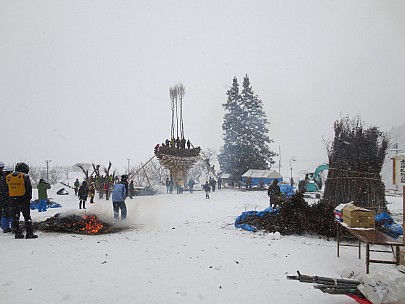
(54, 176)
(36, 173)
(181, 91)
(85, 172)
(156, 173)
(109, 175)
(177, 93)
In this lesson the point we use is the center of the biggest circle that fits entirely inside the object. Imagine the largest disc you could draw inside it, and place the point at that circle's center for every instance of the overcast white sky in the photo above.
(88, 81)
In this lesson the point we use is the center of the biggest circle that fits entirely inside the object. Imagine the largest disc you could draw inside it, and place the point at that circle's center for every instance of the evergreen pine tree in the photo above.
(229, 157)
(255, 138)
(245, 132)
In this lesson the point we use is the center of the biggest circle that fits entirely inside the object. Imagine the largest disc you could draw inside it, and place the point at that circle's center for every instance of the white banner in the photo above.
(399, 170)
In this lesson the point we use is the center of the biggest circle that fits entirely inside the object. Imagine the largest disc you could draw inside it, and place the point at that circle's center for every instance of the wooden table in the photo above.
(370, 237)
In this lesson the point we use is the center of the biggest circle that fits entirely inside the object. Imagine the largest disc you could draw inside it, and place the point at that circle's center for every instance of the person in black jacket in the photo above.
(3, 192)
(83, 193)
(274, 193)
(207, 190)
(5, 206)
(20, 194)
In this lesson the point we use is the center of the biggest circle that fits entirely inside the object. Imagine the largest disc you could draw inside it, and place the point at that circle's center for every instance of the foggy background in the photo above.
(88, 81)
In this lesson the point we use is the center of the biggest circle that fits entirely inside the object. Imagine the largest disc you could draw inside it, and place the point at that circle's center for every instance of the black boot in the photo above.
(30, 233)
(84, 204)
(17, 230)
(19, 235)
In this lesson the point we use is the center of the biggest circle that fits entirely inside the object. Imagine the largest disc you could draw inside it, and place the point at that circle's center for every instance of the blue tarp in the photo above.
(392, 229)
(246, 214)
(287, 190)
(49, 204)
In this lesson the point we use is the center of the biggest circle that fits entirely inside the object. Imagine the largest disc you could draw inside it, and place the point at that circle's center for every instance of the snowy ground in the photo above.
(178, 249)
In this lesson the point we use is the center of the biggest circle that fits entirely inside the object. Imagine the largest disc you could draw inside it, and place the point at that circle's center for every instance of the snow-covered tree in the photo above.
(246, 143)
(256, 140)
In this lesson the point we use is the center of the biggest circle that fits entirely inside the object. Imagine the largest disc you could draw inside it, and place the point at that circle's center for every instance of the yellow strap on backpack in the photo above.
(16, 185)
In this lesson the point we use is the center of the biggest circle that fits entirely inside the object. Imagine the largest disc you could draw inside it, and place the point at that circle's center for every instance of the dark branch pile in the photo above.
(88, 224)
(297, 217)
(356, 157)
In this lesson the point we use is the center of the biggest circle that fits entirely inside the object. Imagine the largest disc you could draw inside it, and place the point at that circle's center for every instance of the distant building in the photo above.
(266, 175)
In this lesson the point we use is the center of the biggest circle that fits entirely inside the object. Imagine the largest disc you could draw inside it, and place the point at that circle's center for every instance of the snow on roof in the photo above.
(254, 173)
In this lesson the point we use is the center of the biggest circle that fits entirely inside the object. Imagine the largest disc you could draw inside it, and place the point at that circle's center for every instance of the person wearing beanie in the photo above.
(20, 193)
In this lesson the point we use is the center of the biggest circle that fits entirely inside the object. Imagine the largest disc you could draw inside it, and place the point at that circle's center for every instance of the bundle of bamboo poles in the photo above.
(356, 157)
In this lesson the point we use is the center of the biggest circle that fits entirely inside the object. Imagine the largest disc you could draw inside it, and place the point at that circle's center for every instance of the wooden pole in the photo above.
(133, 174)
(147, 178)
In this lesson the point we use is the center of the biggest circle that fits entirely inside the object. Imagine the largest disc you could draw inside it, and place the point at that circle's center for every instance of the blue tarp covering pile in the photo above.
(391, 228)
(49, 204)
(287, 190)
(239, 220)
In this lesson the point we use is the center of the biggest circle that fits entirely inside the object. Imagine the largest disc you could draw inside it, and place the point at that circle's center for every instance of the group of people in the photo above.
(174, 143)
(120, 192)
(15, 199)
(209, 186)
(83, 191)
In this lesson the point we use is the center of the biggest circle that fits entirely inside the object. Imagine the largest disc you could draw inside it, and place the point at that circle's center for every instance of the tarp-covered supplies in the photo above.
(240, 220)
(389, 226)
(49, 204)
(286, 189)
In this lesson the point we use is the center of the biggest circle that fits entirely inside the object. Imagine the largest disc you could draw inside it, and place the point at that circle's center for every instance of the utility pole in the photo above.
(128, 164)
(47, 169)
(291, 169)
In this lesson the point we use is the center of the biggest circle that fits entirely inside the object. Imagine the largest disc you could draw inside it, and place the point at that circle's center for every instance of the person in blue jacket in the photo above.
(119, 195)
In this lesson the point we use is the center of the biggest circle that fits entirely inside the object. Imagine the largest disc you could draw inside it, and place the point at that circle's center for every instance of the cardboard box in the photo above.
(358, 217)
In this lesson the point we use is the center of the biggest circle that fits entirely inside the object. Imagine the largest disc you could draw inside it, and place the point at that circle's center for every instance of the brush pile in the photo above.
(356, 157)
(297, 217)
(80, 224)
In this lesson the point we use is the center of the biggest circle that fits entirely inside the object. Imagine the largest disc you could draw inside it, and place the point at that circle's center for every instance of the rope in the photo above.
(352, 171)
(354, 177)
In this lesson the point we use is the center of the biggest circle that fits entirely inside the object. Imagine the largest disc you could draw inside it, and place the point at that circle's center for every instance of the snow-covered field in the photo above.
(178, 249)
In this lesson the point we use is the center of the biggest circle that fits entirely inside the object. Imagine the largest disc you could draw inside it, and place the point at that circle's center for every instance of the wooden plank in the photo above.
(373, 236)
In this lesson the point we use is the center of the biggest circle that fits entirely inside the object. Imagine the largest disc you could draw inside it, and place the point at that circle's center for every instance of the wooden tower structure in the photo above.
(177, 154)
